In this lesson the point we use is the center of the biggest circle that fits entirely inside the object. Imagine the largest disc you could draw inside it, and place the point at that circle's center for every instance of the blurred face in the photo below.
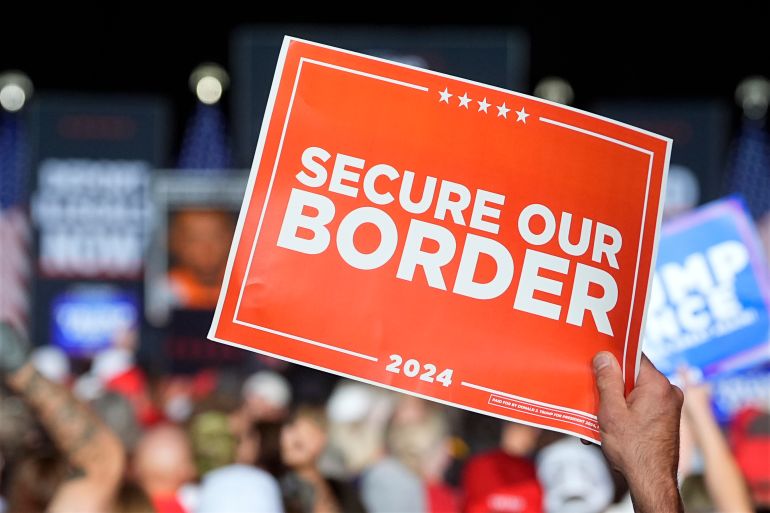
(259, 409)
(575, 478)
(359, 444)
(163, 460)
(302, 443)
(200, 241)
(518, 439)
(247, 450)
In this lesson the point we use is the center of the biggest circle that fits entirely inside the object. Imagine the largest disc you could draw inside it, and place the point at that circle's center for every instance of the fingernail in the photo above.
(601, 361)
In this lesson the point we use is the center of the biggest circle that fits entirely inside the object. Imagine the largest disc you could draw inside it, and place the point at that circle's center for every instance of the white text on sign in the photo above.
(309, 213)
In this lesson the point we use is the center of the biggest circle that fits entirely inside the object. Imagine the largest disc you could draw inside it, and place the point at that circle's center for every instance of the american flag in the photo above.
(205, 147)
(15, 231)
(749, 170)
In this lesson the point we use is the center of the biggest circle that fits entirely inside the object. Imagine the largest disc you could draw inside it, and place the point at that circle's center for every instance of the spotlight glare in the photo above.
(15, 90)
(209, 90)
(208, 82)
(12, 97)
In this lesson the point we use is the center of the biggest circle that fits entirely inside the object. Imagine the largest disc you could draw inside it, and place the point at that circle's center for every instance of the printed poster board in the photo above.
(735, 392)
(93, 158)
(709, 307)
(440, 237)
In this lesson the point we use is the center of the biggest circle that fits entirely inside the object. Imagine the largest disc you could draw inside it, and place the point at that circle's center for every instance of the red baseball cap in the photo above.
(496, 482)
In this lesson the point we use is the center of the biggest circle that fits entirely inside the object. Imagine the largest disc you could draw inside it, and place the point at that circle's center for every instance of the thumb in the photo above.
(609, 381)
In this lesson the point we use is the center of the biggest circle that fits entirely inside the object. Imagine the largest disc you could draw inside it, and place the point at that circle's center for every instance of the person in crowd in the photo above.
(389, 485)
(178, 395)
(359, 415)
(94, 455)
(36, 480)
(575, 477)
(163, 465)
(213, 440)
(237, 487)
(419, 437)
(115, 370)
(504, 479)
(266, 397)
(702, 438)
(305, 488)
(750, 440)
(640, 438)
(260, 445)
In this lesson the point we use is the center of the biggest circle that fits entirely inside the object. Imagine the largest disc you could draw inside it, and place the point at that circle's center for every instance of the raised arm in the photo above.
(721, 473)
(640, 433)
(89, 446)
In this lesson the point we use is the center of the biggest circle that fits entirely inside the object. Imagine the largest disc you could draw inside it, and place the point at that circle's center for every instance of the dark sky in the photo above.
(639, 50)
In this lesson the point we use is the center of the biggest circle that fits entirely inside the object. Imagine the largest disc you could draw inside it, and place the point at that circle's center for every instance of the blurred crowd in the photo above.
(112, 436)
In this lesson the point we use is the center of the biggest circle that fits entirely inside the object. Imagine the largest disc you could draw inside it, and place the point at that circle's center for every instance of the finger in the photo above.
(609, 381)
(678, 393)
(649, 374)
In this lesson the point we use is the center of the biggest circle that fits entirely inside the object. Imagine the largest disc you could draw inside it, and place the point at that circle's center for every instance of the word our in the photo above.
(458, 205)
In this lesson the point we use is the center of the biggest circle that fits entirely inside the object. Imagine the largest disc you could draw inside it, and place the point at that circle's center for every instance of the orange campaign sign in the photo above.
(444, 238)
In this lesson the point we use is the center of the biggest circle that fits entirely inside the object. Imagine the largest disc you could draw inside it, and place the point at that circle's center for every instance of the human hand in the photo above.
(697, 395)
(640, 433)
(14, 349)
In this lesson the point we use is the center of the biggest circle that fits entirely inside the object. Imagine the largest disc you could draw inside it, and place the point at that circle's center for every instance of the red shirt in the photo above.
(167, 504)
(499, 483)
(442, 498)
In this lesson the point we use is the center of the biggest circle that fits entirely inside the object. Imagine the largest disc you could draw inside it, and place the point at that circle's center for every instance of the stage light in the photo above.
(555, 89)
(208, 82)
(753, 96)
(15, 90)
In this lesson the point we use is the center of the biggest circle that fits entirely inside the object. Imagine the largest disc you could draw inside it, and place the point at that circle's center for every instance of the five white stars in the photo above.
(502, 110)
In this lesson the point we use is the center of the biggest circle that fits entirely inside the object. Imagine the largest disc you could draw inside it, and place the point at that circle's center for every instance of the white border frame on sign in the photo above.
(249, 192)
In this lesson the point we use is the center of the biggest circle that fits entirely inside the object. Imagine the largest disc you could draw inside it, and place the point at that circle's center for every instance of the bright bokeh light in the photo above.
(209, 90)
(15, 90)
(12, 97)
(209, 81)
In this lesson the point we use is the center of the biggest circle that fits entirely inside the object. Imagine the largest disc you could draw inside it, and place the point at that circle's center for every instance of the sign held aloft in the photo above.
(710, 302)
(444, 238)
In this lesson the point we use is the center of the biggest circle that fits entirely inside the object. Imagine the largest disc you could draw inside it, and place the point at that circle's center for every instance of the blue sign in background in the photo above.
(734, 392)
(86, 319)
(709, 304)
